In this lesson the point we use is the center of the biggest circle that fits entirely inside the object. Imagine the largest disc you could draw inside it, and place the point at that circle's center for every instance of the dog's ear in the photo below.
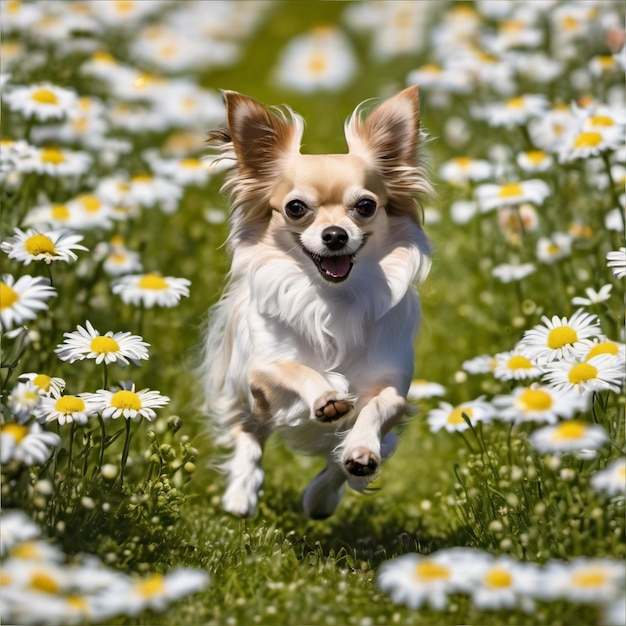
(389, 134)
(260, 135)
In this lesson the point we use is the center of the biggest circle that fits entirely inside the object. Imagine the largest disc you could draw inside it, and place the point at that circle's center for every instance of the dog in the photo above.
(313, 335)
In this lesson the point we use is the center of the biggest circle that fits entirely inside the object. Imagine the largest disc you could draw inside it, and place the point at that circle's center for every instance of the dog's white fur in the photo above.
(323, 357)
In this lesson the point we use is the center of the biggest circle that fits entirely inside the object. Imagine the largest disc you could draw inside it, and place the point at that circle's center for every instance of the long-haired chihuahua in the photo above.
(313, 336)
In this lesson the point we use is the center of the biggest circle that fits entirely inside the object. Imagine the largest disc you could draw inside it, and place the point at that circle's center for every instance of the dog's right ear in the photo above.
(260, 136)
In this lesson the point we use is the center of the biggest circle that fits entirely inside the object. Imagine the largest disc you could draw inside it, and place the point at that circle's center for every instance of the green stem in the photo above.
(103, 433)
(125, 451)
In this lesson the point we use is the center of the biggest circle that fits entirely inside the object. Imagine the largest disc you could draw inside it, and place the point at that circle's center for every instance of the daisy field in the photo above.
(504, 502)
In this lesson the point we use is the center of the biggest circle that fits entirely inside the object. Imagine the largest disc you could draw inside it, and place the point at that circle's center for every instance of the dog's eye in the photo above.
(365, 207)
(295, 209)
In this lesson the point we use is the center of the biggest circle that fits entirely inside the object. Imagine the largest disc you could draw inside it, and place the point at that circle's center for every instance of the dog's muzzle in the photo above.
(333, 266)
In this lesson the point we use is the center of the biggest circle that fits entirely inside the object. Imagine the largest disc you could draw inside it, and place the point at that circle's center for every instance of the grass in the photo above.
(487, 489)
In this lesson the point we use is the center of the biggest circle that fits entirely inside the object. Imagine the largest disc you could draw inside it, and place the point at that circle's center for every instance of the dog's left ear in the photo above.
(389, 135)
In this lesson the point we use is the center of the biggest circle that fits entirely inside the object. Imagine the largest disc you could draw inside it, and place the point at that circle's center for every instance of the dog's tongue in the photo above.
(336, 266)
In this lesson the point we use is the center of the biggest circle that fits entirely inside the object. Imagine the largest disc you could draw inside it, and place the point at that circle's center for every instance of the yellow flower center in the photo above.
(430, 68)
(141, 178)
(498, 578)
(606, 62)
(42, 581)
(42, 381)
(582, 372)
(191, 163)
(318, 64)
(515, 103)
(69, 404)
(77, 603)
(52, 155)
(103, 57)
(456, 415)
(151, 586)
(27, 550)
(40, 244)
(601, 120)
(153, 281)
(103, 345)
(561, 336)
(510, 190)
(604, 347)
(123, 6)
(536, 156)
(463, 162)
(589, 139)
(91, 204)
(44, 96)
(593, 577)
(427, 570)
(518, 362)
(535, 399)
(8, 296)
(17, 432)
(59, 212)
(126, 400)
(569, 430)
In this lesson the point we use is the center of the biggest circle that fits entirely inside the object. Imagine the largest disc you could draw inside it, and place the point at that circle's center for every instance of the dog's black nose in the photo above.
(334, 237)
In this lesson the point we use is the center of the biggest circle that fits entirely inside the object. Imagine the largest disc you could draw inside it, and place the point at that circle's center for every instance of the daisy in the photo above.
(186, 105)
(55, 161)
(66, 409)
(559, 337)
(322, 59)
(42, 101)
(612, 479)
(539, 403)
(454, 418)
(596, 374)
(434, 78)
(151, 289)
(593, 296)
(516, 221)
(482, 364)
(590, 348)
(53, 245)
(614, 220)
(87, 343)
(547, 132)
(120, 260)
(153, 592)
(19, 16)
(30, 444)
(149, 191)
(554, 248)
(617, 262)
(569, 436)
(125, 13)
(534, 161)
(55, 216)
(586, 580)
(582, 143)
(509, 272)
(23, 400)
(515, 365)
(460, 170)
(89, 211)
(188, 171)
(128, 403)
(515, 111)
(21, 300)
(16, 527)
(46, 385)
(491, 196)
(420, 389)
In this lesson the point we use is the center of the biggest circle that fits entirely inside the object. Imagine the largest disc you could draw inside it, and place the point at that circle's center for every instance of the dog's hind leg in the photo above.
(244, 472)
(322, 496)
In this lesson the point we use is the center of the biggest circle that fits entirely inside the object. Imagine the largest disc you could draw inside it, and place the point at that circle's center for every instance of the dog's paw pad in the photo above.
(330, 408)
(362, 462)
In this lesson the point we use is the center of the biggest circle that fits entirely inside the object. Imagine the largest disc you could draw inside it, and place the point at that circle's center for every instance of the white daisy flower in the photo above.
(42, 101)
(54, 216)
(120, 260)
(539, 403)
(585, 143)
(593, 296)
(453, 418)
(559, 337)
(150, 191)
(515, 365)
(554, 248)
(491, 196)
(16, 527)
(614, 220)
(188, 171)
(612, 479)
(38, 550)
(590, 348)
(121, 348)
(23, 400)
(320, 60)
(30, 444)
(509, 272)
(21, 300)
(151, 289)
(596, 374)
(515, 111)
(46, 385)
(547, 131)
(55, 161)
(569, 436)
(129, 403)
(126, 14)
(66, 409)
(425, 389)
(462, 211)
(584, 580)
(19, 16)
(89, 211)
(437, 79)
(617, 262)
(515, 221)
(53, 245)
(482, 364)
(534, 161)
(460, 170)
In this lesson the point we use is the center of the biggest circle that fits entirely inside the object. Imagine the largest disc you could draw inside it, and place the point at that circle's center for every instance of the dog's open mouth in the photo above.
(333, 268)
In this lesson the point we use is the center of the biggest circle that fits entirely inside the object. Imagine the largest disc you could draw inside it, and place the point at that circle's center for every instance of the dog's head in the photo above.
(333, 206)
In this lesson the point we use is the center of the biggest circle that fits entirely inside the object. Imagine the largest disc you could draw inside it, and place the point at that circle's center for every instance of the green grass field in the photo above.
(143, 495)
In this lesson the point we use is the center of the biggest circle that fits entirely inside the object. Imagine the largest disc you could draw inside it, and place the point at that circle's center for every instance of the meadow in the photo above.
(504, 502)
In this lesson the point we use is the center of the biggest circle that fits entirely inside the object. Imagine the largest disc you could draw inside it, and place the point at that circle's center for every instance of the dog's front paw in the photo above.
(331, 407)
(361, 462)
